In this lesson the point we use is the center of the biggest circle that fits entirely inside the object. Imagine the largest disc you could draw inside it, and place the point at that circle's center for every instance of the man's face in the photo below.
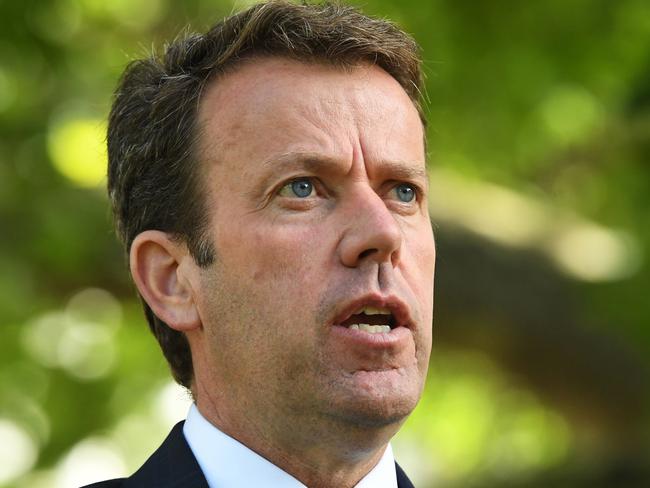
(316, 188)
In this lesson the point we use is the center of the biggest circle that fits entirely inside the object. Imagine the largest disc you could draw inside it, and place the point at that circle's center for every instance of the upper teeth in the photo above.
(372, 329)
(374, 311)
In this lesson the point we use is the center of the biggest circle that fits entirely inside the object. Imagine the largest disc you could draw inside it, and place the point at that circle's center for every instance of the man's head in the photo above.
(154, 170)
(268, 179)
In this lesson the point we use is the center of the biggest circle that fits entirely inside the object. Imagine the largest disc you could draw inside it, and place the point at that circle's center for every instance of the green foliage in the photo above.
(539, 136)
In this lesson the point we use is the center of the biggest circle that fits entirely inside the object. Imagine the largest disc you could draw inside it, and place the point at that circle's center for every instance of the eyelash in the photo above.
(313, 181)
(317, 187)
(417, 190)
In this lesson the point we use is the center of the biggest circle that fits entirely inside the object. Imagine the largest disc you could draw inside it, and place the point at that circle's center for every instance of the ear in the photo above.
(161, 268)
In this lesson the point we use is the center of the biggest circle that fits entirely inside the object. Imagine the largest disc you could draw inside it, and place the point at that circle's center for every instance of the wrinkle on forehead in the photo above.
(318, 163)
(305, 107)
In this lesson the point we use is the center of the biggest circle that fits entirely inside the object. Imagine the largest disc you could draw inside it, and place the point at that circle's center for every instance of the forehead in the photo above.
(273, 105)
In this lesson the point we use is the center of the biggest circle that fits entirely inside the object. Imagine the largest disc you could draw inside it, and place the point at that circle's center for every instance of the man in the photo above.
(268, 181)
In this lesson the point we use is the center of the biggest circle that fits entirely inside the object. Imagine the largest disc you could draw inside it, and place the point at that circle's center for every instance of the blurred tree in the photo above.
(540, 143)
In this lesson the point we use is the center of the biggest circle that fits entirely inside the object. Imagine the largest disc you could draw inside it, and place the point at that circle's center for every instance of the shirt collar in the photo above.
(226, 462)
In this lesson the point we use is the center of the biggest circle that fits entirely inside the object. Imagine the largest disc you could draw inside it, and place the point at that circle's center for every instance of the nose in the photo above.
(371, 232)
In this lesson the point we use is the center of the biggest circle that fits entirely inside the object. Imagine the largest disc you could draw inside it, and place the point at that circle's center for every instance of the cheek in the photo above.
(277, 273)
(420, 255)
(290, 257)
(419, 274)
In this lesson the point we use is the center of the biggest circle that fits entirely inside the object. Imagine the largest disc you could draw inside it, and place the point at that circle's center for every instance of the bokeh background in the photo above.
(540, 173)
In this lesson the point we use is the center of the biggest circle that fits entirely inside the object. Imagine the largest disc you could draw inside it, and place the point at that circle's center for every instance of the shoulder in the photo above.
(172, 466)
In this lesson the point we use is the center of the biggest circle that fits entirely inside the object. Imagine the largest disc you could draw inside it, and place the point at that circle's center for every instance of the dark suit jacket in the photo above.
(174, 466)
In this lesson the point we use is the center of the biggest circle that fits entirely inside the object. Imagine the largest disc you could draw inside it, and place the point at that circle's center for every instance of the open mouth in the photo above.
(374, 320)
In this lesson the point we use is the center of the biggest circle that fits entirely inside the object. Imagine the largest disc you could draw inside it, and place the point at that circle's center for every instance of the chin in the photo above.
(380, 415)
(372, 405)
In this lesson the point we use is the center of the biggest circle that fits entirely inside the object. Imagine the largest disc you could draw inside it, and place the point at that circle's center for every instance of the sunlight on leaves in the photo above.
(77, 150)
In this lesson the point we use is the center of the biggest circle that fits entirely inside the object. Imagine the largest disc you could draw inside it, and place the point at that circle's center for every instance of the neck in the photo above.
(317, 453)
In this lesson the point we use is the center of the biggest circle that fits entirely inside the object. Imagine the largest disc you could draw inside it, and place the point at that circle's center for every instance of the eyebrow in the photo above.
(300, 160)
(404, 170)
(317, 162)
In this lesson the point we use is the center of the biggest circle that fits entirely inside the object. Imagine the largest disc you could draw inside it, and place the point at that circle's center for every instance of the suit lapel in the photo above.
(402, 479)
(172, 466)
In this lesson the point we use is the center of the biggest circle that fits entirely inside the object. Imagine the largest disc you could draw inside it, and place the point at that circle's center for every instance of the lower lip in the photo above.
(381, 340)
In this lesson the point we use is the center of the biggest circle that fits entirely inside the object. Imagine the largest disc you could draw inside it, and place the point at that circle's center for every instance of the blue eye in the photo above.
(301, 188)
(405, 192)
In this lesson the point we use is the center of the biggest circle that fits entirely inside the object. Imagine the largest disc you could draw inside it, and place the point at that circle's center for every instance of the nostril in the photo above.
(367, 253)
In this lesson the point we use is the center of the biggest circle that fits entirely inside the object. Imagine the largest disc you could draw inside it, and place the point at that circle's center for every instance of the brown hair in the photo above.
(153, 177)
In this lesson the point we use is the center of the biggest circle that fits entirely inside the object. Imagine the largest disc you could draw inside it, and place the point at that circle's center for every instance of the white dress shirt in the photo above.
(227, 463)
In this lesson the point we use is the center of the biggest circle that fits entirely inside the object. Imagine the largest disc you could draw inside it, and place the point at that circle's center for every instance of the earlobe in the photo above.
(155, 260)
